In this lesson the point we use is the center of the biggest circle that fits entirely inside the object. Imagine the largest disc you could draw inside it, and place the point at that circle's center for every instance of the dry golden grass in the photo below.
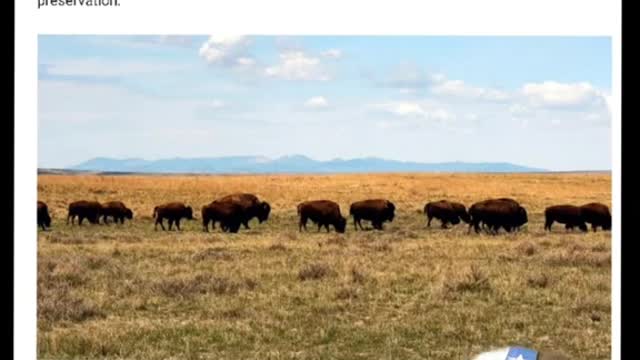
(409, 292)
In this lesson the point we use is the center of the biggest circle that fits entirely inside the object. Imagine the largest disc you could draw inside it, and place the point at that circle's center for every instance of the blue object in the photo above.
(520, 353)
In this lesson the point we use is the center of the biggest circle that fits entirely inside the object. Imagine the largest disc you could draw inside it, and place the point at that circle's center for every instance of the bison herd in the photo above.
(237, 210)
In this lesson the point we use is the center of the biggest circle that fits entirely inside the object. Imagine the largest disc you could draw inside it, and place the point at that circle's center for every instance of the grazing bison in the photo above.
(447, 212)
(229, 214)
(323, 213)
(44, 219)
(569, 215)
(375, 210)
(597, 214)
(251, 207)
(497, 213)
(117, 210)
(84, 209)
(173, 212)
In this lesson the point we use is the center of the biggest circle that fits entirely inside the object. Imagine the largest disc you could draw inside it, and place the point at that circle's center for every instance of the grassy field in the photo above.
(409, 292)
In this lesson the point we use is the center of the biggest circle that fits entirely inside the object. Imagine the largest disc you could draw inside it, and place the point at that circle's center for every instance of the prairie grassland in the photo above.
(271, 292)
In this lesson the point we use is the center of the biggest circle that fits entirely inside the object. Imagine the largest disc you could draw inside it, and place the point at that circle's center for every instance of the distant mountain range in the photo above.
(286, 164)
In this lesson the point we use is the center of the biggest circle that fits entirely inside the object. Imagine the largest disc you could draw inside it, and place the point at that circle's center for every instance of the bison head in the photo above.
(46, 220)
(188, 213)
(607, 223)
(263, 211)
(521, 217)
(465, 217)
(390, 210)
(129, 214)
(340, 225)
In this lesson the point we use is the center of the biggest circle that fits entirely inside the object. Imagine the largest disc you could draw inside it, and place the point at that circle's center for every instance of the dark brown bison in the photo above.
(173, 212)
(117, 210)
(596, 214)
(84, 209)
(447, 212)
(229, 214)
(251, 207)
(375, 210)
(44, 219)
(569, 215)
(323, 213)
(497, 213)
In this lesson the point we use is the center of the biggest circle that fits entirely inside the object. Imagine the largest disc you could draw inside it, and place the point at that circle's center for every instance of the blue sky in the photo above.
(536, 101)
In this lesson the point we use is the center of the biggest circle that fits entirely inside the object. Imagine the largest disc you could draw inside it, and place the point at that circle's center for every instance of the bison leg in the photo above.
(80, 218)
(234, 227)
(429, 221)
(170, 224)
(355, 223)
(360, 224)
(326, 226)
(302, 223)
(178, 224)
(583, 227)
(547, 224)
(205, 225)
(246, 224)
(105, 220)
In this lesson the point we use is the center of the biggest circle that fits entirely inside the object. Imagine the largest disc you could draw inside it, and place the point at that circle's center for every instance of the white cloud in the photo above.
(217, 104)
(226, 50)
(519, 110)
(296, 65)
(458, 88)
(415, 110)
(316, 102)
(245, 61)
(332, 54)
(97, 67)
(551, 94)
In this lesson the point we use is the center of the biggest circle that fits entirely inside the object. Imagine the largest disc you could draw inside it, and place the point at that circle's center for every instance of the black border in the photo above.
(9, 270)
(625, 256)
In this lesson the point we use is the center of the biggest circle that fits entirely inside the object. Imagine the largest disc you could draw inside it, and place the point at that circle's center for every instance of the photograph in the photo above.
(324, 197)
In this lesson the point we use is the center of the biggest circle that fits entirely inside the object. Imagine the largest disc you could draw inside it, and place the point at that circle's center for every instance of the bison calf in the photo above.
(117, 210)
(323, 213)
(229, 214)
(84, 209)
(569, 215)
(44, 219)
(447, 212)
(173, 212)
(375, 210)
(597, 214)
